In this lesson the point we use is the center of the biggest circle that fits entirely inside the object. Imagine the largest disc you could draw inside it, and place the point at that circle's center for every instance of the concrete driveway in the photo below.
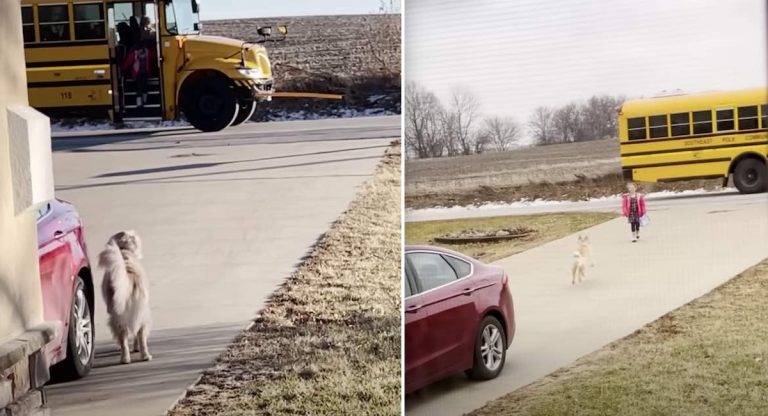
(225, 218)
(689, 249)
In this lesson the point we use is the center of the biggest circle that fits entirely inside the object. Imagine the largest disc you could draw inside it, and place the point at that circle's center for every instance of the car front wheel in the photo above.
(490, 350)
(79, 338)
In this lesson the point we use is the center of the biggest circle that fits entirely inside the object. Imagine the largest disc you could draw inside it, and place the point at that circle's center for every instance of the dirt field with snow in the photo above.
(357, 56)
(573, 171)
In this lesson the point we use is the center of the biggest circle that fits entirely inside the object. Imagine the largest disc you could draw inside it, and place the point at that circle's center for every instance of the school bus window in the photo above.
(181, 17)
(748, 118)
(658, 126)
(636, 128)
(54, 23)
(150, 10)
(702, 122)
(123, 12)
(28, 24)
(725, 119)
(170, 19)
(681, 124)
(89, 21)
(764, 112)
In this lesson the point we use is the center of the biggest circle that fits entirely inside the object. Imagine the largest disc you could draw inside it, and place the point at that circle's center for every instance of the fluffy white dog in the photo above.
(581, 257)
(126, 292)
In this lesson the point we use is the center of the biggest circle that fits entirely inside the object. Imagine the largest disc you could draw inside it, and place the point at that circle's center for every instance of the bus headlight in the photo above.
(250, 72)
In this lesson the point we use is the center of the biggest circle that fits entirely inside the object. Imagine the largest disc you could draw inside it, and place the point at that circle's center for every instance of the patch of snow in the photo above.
(374, 98)
(335, 113)
(83, 125)
(94, 125)
(525, 202)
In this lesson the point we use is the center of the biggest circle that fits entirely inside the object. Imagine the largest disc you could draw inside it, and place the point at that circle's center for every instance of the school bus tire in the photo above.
(247, 108)
(751, 176)
(209, 103)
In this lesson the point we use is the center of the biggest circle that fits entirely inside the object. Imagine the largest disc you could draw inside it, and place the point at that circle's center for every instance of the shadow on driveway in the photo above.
(203, 175)
(143, 388)
(212, 164)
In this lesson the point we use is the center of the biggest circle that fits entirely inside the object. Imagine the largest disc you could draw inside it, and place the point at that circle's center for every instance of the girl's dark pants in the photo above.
(635, 226)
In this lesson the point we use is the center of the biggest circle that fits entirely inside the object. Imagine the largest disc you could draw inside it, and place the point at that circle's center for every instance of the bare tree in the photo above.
(449, 133)
(481, 142)
(502, 133)
(565, 123)
(541, 125)
(423, 122)
(599, 116)
(464, 107)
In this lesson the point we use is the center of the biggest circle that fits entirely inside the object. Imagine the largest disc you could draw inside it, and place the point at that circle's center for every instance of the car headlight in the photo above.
(250, 72)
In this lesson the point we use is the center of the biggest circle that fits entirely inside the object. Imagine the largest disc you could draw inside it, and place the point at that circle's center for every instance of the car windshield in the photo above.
(181, 17)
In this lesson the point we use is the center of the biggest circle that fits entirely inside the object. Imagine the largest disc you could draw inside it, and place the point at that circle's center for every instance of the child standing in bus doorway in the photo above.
(633, 207)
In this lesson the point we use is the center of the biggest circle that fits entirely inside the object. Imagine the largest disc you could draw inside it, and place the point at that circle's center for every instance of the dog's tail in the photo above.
(116, 286)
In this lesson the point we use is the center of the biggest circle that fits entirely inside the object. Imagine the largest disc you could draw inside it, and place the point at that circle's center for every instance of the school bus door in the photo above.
(136, 92)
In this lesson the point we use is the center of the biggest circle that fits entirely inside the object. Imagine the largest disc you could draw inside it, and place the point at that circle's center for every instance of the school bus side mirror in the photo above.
(265, 31)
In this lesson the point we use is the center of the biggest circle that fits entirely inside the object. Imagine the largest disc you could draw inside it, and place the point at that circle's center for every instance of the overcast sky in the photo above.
(229, 9)
(517, 55)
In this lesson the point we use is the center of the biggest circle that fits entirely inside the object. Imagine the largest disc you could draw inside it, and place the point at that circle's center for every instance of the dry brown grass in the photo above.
(328, 342)
(708, 357)
(548, 227)
(574, 171)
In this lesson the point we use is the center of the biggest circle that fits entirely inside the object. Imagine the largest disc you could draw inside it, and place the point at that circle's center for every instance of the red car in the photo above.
(458, 316)
(68, 296)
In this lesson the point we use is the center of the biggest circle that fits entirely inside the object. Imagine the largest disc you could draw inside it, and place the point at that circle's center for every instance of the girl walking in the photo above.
(633, 207)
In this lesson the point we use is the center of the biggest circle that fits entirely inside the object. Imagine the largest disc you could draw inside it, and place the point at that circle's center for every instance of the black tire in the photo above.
(247, 108)
(751, 176)
(210, 103)
(481, 370)
(76, 366)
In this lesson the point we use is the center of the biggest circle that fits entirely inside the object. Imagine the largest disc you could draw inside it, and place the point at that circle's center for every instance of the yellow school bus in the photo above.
(140, 59)
(697, 136)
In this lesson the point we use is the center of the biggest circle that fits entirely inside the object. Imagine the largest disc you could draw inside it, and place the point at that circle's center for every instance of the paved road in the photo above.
(690, 248)
(225, 217)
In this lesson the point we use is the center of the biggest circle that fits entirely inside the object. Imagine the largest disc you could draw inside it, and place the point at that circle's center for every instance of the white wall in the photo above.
(20, 296)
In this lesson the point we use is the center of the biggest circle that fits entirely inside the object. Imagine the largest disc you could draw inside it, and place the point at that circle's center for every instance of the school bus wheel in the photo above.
(209, 102)
(751, 176)
(247, 108)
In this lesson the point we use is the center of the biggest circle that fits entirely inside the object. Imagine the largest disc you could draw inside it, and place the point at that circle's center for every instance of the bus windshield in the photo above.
(181, 17)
